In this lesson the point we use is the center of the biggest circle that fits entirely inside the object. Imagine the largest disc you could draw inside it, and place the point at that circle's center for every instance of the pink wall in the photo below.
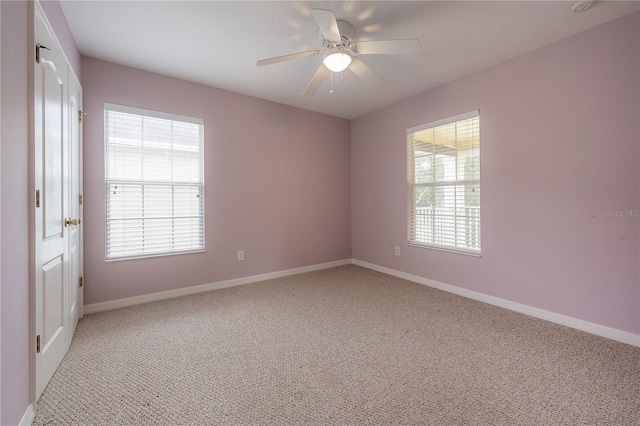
(14, 371)
(559, 146)
(14, 210)
(276, 184)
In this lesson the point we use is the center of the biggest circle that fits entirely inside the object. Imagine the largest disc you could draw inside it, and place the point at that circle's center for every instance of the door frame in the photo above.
(36, 12)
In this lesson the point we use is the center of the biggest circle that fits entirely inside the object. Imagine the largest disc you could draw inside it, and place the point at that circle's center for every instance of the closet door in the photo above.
(57, 171)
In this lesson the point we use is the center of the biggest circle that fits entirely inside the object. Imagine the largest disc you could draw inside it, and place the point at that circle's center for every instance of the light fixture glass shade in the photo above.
(337, 61)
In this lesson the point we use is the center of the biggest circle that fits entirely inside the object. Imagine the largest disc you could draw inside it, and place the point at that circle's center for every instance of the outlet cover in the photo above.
(240, 255)
(397, 251)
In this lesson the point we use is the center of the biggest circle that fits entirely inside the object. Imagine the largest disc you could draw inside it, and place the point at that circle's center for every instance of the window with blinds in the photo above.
(444, 184)
(154, 182)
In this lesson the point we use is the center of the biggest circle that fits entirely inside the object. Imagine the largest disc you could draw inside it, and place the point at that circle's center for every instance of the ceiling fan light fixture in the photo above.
(337, 61)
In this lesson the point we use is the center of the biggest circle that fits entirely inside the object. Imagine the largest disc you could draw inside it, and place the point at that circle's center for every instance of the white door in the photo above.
(75, 203)
(56, 238)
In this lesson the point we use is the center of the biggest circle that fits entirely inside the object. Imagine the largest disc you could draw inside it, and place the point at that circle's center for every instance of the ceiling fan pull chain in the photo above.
(331, 91)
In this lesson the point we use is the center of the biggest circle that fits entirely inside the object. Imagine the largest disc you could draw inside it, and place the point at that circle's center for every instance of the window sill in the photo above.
(472, 253)
(151, 255)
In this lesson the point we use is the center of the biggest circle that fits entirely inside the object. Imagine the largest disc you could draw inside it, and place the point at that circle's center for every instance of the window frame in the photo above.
(107, 181)
(411, 185)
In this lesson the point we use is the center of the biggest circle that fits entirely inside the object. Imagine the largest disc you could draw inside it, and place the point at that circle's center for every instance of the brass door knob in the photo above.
(74, 221)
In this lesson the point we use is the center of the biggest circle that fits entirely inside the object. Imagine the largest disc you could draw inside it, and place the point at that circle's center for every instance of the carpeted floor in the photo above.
(340, 346)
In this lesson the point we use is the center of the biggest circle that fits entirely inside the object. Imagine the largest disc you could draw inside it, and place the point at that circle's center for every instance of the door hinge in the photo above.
(37, 198)
(38, 344)
(80, 199)
(81, 282)
(81, 114)
(38, 47)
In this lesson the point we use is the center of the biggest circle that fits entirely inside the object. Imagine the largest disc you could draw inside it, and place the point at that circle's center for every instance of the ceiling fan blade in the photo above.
(327, 23)
(368, 75)
(316, 81)
(389, 47)
(277, 59)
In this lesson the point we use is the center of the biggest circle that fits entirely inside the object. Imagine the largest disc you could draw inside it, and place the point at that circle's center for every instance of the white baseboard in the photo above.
(145, 298)
(28, 417)
(589, 327)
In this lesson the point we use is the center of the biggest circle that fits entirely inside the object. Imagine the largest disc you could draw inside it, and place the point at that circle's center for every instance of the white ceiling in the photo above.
(218, 43)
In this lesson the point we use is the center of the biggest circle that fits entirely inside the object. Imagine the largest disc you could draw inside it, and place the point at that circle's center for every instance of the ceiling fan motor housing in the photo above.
(346, 35)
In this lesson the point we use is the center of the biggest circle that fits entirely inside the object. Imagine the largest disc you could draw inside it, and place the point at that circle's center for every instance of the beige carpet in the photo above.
(339, 346)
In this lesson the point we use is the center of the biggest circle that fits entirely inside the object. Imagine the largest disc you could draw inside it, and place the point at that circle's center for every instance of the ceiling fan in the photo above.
(341, 51)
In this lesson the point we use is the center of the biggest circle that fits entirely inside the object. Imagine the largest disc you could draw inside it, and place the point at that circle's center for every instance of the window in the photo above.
(154, 183)
(444, 184)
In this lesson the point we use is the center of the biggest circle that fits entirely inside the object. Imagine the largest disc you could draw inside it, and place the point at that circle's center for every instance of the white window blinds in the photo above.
(154, 183)
(444, 184)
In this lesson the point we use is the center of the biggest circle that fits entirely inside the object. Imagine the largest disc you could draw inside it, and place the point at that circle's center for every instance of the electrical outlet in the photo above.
(397, 251)
(240, 255)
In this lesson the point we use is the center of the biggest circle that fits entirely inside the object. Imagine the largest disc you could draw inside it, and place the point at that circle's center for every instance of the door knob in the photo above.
(74, 221)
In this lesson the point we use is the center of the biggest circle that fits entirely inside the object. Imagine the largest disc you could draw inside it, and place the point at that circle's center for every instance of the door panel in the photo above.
(52, 303)
(53, 88)
(50, 178)
(75, 206)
